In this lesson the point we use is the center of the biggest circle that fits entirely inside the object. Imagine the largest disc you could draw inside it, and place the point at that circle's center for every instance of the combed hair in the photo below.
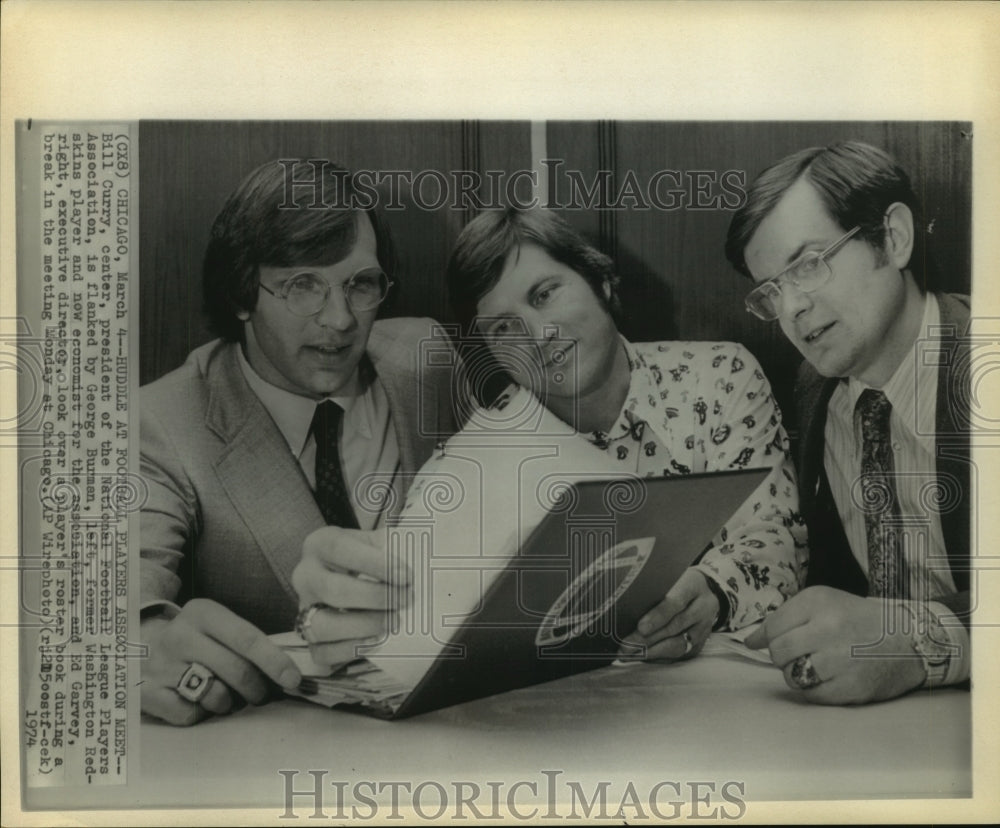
(258, 225)
(486, 242)
(480, 253)
(856, 183)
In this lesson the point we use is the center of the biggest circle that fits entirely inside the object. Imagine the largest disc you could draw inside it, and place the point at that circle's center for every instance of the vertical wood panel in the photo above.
(676, 281)
(607, 160)
(188, 168)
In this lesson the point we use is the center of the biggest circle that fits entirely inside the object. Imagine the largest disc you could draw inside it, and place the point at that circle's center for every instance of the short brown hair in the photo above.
(257, 227)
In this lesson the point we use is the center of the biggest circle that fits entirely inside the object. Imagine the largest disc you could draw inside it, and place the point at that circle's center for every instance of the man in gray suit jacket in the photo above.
(238, 472)
(834, 240)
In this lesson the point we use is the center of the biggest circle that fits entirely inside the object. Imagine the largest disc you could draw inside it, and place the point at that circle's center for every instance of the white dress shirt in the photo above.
(367, 443)
(912, 391)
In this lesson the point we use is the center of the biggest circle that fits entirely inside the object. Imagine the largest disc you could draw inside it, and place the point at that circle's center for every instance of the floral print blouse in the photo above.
(707, 406)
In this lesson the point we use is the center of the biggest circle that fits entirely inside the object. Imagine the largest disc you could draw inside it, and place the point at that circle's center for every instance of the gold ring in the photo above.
(303, 621)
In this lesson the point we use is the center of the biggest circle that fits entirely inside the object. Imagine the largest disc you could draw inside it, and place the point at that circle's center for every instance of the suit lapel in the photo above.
(814, 396)
(831, 560)
(277, 507)
(952, 434)
(408, 395)
(952, 425)
(400, 404)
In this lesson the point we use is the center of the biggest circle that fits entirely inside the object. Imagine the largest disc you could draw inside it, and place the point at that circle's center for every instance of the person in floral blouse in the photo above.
(540, 304)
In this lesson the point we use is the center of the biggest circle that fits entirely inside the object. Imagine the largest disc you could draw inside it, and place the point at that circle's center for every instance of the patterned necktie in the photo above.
(886, 568)
(331, 491)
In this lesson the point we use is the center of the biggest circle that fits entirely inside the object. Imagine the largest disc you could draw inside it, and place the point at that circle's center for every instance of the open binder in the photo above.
(559, 602)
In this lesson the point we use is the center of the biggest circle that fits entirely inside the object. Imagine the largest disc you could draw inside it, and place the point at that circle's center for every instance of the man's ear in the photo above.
(606, 287)
(898, 234)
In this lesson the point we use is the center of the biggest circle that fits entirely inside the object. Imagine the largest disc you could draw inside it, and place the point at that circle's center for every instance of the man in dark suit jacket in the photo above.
(833, 238)
(231, 452)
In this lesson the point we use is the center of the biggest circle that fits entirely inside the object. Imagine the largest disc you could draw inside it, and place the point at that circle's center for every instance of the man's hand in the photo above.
(679, 625)
(827, 624)
(237, 653)
(351, 572)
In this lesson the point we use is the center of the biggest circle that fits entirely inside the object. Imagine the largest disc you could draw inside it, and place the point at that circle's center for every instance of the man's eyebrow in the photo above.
(293, 270)
(798, 251)
(792, 257)
(313, 271)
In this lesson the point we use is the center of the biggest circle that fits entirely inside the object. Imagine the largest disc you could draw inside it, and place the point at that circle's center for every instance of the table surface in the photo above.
(717, 718)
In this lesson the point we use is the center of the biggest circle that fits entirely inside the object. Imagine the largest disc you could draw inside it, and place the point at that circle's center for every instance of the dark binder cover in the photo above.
(595, 565)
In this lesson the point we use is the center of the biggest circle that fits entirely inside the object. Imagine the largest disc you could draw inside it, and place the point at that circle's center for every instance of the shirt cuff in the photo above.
(960, 664)
(725, 615)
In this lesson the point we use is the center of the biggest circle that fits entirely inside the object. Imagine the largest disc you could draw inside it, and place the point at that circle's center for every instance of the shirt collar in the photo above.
(911, 374)
(293, 413)
(639, 388)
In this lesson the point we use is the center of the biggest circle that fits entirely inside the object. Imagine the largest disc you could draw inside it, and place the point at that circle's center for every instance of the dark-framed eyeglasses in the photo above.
(810, 272)
(307, 293)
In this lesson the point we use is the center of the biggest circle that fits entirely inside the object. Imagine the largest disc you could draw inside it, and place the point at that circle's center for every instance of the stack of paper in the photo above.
(357, 682)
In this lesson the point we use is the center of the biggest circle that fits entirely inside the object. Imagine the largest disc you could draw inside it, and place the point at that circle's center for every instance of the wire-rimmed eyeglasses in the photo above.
(307, 293)
(810, 272)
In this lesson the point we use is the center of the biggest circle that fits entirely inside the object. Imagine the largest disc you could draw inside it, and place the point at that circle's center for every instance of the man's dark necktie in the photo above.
(887, 571)
(331, 491)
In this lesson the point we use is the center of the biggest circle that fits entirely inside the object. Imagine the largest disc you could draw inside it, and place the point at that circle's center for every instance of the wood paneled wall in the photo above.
(676, 282)
(187, 169)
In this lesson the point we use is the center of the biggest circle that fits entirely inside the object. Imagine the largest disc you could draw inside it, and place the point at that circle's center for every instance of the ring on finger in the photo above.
(303, 621)
(195, 682)
(803, 673)
(688, 643)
